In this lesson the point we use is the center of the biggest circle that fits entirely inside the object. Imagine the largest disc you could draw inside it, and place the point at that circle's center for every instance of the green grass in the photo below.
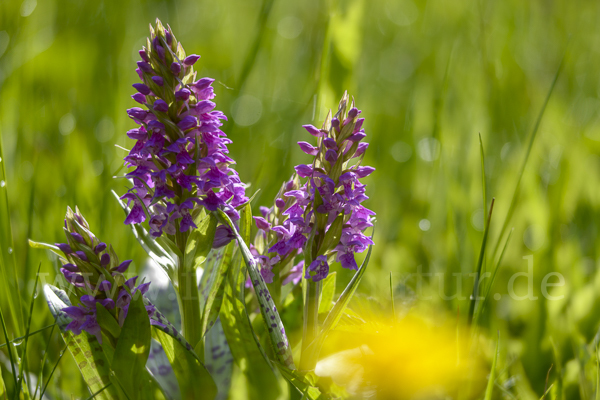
(429, 77)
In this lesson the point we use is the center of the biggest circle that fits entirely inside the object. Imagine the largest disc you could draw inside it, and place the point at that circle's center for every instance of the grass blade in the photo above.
(490, 386)
(483, 180)
(8, 266)
(38, 385)
(24, 354)
(513, 202)
(10, 352)
(93, 396)
(3, 394)
(30, 334)
(60, 356)
(392, 296)
(475, 294)
(489, 288)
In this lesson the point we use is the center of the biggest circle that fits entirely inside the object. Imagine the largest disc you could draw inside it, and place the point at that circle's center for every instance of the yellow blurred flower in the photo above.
(409, 359)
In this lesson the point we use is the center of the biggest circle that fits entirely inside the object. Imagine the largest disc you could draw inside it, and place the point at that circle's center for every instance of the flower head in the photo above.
(97, 275)
(322, 217)
(179, 160)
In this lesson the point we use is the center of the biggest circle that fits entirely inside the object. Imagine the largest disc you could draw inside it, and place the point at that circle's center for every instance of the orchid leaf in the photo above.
(218, 359)
(246, 350)
(194, 380)
(199, 241)
(300, 382)
(160, 368)
(212, 285)
(92, 363)
(46, 246)
(84, 348)
(57, 299)
(327, 293)
(279, 341)
(132, 350)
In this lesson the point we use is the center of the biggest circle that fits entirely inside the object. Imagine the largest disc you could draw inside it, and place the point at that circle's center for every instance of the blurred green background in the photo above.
(429, 76)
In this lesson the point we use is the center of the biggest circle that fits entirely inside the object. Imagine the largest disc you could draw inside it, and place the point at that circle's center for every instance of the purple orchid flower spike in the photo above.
(322, 218)
(97, 276)
(180, 161)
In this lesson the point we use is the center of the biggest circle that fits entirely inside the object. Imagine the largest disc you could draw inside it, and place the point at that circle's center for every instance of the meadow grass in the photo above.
(456, 94)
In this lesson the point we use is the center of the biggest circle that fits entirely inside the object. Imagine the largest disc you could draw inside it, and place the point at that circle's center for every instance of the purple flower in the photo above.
(175, 68)
(262, 223)
(161, 105)
(308, 148)
(300, 216)
(191, 60)
(143, 89)
(318, 269)
(83, 270)
(313, 130)
(295, 275)
(140, 98)
(170, 166)
(65, 248)
(223, 236)
(158, 80)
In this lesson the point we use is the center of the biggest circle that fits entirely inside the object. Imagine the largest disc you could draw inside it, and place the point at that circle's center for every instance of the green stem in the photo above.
(189, 306)
(311, 324)
(188, 296)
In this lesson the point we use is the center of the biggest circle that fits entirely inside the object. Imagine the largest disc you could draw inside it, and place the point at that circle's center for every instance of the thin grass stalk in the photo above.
(31, 334)
(513, 202)
(22, 367)
(60, 356)
(479, 265)
(98, 392)
(10, 282)
(10, 350)
(392, 297)
(38, 385)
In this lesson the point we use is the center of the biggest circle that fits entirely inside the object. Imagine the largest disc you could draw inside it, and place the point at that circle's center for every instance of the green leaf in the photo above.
(480, 260)
(247, 351)
(159, 366)
(279, 341)
(131, 352)
(327, 293)
(199, 241)
(338, 309)
(218, 359)
(46, 246)
(333, 235)
(212, 286)
(153, 249)
(92, 363)
(194, 380)
(3, 394)
(532, 137)
(9, 286)
(107, 321)
(299, 381)
(57, 300)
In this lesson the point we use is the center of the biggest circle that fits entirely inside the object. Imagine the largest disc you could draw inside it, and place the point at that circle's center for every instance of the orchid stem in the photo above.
(311, 324)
